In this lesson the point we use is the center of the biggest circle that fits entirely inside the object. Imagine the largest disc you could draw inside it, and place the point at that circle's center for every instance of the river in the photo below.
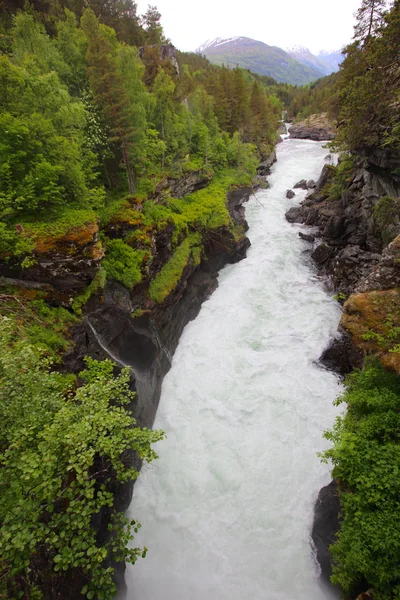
(227, 509)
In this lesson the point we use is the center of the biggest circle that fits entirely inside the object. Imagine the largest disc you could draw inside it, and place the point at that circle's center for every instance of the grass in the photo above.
(166, 280)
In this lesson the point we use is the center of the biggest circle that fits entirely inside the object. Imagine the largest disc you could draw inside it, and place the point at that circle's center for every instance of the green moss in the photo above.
(57, 225)
(205, 208)
(124, 264)
(121, 210)
(94, 287)
(166, 280)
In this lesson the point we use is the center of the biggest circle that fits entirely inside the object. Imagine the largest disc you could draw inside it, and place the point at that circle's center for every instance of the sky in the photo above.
(315, 24)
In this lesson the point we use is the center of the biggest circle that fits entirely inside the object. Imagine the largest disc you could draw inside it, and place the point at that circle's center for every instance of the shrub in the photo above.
(123, 264)
(62, 448)
(366, 463)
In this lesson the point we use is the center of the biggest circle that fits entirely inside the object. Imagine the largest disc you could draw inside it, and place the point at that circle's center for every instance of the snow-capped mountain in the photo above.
(326, 62)
(260, 58)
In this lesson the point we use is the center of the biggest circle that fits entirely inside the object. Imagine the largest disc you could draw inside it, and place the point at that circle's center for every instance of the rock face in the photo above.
(265, 166)
(317, 127)
(66, 262)
(352, 244)
(180, 187)
(167, 51)
(325, 526)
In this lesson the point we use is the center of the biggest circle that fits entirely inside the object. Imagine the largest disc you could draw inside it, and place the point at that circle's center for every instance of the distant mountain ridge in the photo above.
(297, 65)
(325, 61)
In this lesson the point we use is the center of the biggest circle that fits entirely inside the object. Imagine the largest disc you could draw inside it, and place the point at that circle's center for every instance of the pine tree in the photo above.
(370, 17)
(108, 90)
(154, 30)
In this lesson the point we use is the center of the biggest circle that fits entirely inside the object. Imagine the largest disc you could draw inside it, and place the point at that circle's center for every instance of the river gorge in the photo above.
(227, 509)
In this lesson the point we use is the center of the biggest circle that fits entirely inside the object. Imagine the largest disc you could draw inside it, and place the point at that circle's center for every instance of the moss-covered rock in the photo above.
(373, 321)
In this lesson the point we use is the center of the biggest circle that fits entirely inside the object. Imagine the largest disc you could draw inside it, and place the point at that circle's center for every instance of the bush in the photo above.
(123, 264)
(366, 463)
(62, 448)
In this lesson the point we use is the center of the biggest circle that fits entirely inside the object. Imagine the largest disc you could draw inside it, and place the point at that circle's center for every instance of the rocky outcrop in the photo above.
(65, 260)
(180, 187)
(167, 52)
(326, 525)
(264, 167)
(351, 242)
(316, 127)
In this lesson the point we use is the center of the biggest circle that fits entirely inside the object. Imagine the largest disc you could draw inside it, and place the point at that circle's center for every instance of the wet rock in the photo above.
(322, 253)
(290, 194)
(326, 526)
(311, 184)
(307, 237)
(293, 214)
(264, 168)
(302, 184)
(341, 356)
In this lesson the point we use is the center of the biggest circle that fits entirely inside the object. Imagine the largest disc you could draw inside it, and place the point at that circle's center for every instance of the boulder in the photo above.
(322, 253)
(264, 168)
(341, 356)
(325, 526)
(290, 194)
(293, 214)
(311, 184)
(307, 237)
(302, 184)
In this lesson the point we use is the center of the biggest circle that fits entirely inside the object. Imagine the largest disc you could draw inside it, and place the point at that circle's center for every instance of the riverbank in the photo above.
(356, 249)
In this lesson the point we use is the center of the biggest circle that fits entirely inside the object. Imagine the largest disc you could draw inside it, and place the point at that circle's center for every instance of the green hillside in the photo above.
(260, 58)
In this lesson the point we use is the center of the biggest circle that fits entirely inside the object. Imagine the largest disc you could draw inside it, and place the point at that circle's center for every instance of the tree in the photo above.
(154, 31)
(163, 91)
(42, 158)
(63, 450)
(108, 89)
(370, 17)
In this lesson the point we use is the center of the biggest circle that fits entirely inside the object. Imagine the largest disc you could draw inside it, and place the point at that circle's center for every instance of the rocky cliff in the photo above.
(356, 247)
(127, 325)
(316, 127)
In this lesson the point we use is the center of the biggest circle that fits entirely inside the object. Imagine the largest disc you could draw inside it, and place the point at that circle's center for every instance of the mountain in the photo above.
(305, 57)
(331, 59)
(259, 58)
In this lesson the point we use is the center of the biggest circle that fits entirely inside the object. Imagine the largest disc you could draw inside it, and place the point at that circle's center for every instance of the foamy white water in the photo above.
(227, 509)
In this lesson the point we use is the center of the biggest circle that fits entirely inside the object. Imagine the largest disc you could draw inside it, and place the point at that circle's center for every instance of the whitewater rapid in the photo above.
(227, 509)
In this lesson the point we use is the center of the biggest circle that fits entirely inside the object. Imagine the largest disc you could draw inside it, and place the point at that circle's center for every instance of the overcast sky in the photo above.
(316, 24)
